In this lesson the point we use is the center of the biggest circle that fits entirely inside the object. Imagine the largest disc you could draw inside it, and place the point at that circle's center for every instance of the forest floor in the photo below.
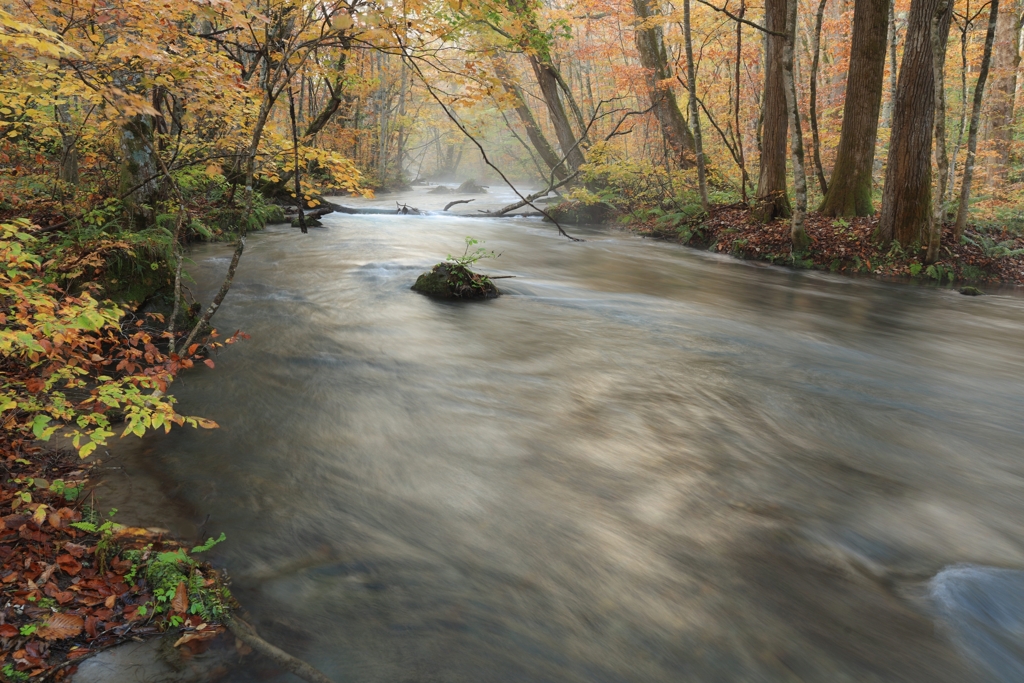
(847, 246)
(74, 583)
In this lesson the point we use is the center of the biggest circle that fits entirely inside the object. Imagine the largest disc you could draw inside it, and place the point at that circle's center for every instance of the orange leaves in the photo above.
(61, 626)
(180, 601)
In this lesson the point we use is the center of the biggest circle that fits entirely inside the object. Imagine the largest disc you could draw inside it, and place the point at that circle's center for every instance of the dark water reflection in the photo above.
(644, 464)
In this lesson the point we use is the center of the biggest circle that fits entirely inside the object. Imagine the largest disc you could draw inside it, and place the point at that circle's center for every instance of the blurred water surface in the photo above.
(643, 463)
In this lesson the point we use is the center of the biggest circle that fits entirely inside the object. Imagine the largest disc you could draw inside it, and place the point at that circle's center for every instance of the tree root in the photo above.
(247, 634)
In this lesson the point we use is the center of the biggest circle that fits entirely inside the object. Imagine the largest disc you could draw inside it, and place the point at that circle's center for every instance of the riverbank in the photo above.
(847, 246)
(75, 582)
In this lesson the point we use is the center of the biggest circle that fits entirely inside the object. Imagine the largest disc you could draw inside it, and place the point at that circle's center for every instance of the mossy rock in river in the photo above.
(575, 211)
(452, 281)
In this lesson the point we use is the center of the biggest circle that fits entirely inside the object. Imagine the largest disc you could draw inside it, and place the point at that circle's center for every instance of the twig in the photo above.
(732, 16)
(247, 634)
(456, 201)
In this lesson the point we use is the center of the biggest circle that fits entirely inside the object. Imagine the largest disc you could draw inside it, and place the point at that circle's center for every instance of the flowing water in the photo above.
(643, 463)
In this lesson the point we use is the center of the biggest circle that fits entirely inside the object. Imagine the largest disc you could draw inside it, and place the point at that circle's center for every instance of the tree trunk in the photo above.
(691, 79)
(849, 193)
(299, 200)
(938, 42)
(533, 131)
(139, 175)
(556, 113)
(892, 40)
(972, 137)
(772, 201)
(736, 111)
(403, 139)
(337, 94)
(907, 193)
(68, 144)
(962, 128)
(1005, 61)
(798, 234)
(651, 46)
(815, 56)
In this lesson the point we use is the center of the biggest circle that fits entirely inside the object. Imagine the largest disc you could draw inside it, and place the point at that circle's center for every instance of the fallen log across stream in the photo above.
(403, 210)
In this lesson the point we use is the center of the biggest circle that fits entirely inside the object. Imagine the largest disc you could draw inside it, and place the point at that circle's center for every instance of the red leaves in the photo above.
(62, 597)
(60, 605)
(69, 565)
(849, 246)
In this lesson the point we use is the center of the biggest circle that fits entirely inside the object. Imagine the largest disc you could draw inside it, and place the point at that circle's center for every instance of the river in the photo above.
(643, 463)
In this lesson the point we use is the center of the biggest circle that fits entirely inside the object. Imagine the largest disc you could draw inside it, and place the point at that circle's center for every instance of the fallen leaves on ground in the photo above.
(848, 246)
(59, 602)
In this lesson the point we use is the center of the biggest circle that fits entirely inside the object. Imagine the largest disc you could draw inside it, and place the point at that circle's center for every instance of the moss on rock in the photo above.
(576, 211)
(452, 281)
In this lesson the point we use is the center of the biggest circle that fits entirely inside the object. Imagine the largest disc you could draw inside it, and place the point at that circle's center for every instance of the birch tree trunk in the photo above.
(691, 78)
(797, 232)
(962, 127)
(938, 44)
(972, 137)
(736, 111)
(887, 104)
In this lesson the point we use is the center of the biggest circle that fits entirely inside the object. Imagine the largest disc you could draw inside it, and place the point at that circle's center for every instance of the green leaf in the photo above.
(39, 426)
(210, 542)
(90, 320)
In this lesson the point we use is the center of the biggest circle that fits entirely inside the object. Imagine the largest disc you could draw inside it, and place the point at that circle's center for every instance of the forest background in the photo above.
(798, 132)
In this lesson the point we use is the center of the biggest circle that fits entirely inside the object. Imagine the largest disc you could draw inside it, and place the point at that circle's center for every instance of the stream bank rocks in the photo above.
(452, 281)
(468, 187)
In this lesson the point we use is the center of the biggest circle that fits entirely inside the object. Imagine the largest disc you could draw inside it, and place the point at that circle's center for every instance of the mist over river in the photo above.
(643, 463)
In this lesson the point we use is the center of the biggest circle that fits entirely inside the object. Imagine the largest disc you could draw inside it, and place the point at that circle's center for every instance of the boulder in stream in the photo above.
(452, 281)
(440, 189)
(577, 212)
(471, 187)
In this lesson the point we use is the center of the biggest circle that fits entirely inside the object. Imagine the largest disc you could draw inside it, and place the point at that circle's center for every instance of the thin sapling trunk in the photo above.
(691, 77)
(972, 137)
(816, 55)
(941, 156)
(798, 234)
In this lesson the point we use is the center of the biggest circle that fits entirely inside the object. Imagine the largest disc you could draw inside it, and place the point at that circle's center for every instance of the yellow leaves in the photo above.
(17, 35)
(214, 170)
(343, 22)
(39, 516)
